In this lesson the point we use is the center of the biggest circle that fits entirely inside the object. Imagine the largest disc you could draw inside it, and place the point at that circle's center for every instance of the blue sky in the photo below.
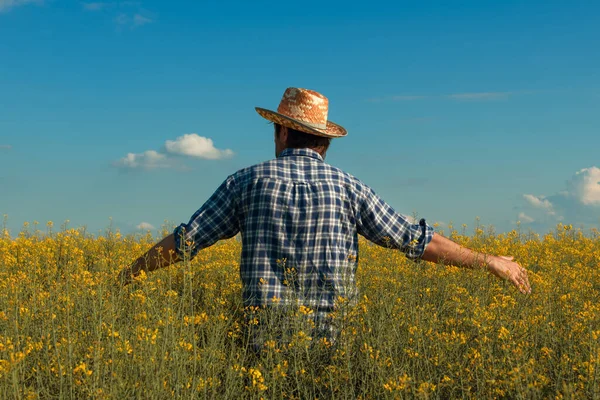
(455, 110)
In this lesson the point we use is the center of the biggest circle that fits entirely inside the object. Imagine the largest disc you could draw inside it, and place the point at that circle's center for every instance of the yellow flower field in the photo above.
(67, 330)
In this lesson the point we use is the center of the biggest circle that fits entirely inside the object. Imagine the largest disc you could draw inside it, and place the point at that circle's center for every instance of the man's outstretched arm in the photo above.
(445, 251)
(161, 255)
(215, 220)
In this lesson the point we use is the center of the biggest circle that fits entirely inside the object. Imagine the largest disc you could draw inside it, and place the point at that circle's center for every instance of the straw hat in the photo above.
(304, 110)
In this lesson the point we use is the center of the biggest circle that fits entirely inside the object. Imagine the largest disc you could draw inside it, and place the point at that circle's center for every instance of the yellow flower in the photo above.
(82, 369)
(503, 333)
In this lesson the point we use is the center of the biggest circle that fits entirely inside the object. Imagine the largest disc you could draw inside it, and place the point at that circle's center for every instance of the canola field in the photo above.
(419, 330)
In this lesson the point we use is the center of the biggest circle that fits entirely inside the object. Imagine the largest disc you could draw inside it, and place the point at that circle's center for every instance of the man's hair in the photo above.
(299, 140)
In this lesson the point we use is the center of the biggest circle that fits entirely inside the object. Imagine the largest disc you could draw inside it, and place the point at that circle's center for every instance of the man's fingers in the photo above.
(523, 282)
(524, 276)
(507, 269)
(527, 284)
(518, 282)
(517, 275)
(521, 279)
(125, 277)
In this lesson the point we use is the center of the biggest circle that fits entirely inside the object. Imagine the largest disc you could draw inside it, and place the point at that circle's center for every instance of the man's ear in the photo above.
(283, 134)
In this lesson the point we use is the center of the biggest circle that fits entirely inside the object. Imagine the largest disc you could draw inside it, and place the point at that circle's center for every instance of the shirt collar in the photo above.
(301, 152)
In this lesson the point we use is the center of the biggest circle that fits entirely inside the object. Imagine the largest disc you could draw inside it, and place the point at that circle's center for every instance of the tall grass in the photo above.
(67, 330)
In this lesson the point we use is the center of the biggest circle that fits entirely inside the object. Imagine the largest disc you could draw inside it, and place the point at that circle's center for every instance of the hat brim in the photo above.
(333, 130)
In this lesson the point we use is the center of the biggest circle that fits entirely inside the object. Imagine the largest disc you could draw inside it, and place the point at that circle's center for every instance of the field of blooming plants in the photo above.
(67, 330)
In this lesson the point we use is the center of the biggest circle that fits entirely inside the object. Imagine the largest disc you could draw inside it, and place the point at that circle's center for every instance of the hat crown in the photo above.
(306, 111)
(305, 105)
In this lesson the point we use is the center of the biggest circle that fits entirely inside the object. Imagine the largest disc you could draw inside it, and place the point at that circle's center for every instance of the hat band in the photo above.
(311, 124)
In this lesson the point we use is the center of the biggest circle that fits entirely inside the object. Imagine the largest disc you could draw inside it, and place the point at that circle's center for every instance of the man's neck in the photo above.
(316, 150)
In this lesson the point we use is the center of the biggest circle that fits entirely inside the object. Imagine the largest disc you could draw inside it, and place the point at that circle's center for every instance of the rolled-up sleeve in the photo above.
(381, 224)
(217, 219)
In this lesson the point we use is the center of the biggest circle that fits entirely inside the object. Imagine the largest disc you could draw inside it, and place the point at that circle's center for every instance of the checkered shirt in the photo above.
(299, 220)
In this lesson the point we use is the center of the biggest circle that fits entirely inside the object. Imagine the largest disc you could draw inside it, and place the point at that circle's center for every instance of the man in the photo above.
(300, 219)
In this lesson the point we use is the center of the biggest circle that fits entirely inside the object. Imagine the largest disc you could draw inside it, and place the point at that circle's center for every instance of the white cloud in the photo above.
(396, 98)
(479, 96)
(525, 218)
(95, 6)
(6, 5)
(538, 202)
(125, 14)
(139, 20)
(585, 186)
(122, 19)
(189, 145)
(579, 204)
(194, 145)
(132, 21)
(147, 160)
(467, 96)
(411, 219)
(145, 226)
(407, 98)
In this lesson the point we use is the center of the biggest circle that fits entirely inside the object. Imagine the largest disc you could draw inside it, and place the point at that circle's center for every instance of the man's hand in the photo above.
(444, 250)
(160, 255)
(125, 276)
(505, 268)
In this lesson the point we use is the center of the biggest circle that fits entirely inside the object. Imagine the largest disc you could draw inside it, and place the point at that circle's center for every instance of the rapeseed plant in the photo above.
(414, 330)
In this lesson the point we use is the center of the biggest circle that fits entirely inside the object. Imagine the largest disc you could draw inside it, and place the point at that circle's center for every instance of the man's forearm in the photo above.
(161, 255)
(445, 251)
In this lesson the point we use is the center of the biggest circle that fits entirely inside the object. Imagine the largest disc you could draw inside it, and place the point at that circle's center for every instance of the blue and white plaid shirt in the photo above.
(300, 219)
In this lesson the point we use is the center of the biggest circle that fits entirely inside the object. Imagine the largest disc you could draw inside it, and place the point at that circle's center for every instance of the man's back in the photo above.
(300, 219)
(298, 209)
